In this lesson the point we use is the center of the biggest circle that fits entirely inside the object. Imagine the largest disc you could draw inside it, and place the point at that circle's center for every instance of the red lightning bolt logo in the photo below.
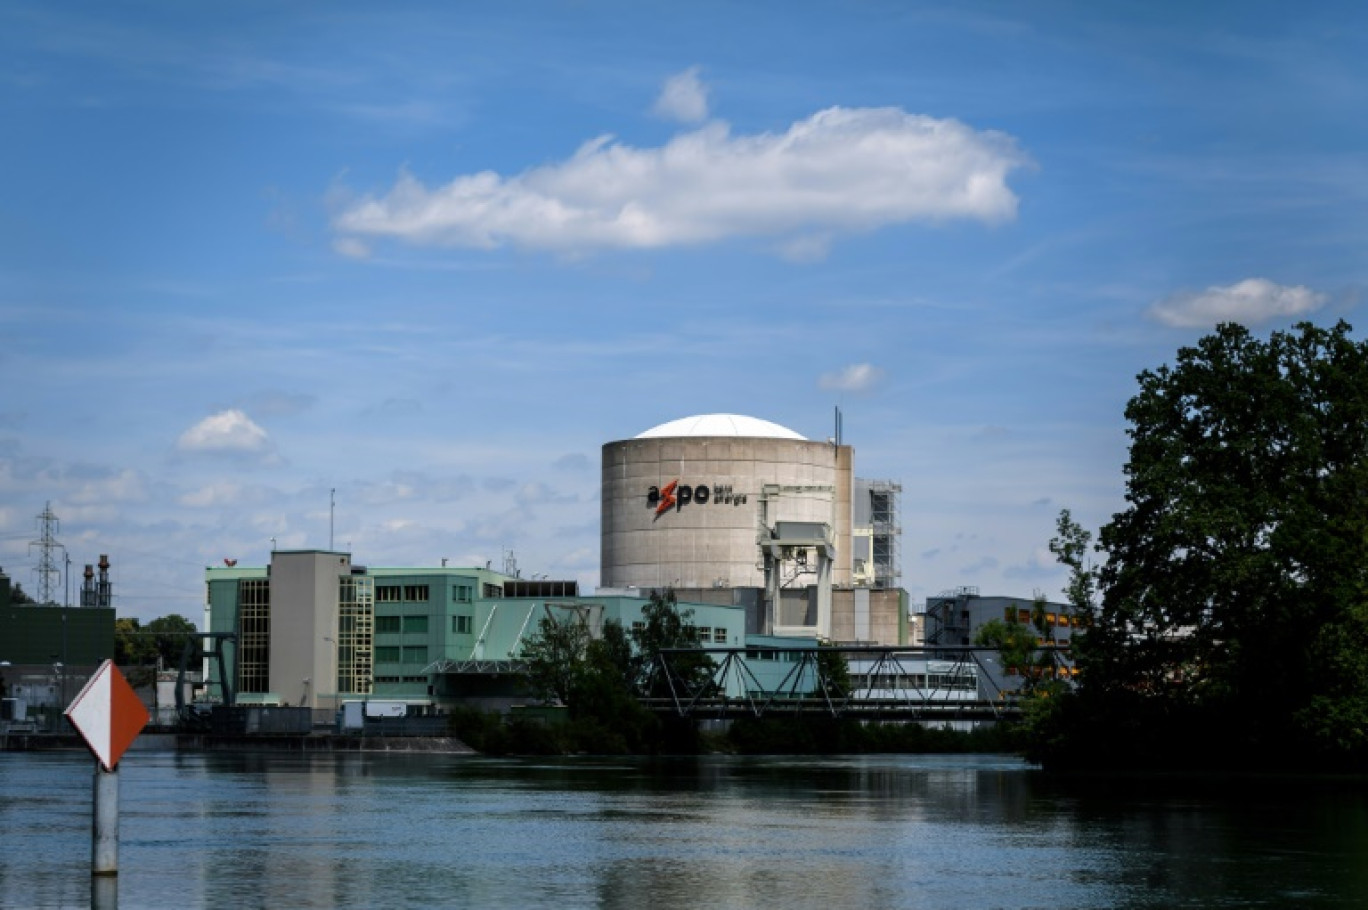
(667, 497)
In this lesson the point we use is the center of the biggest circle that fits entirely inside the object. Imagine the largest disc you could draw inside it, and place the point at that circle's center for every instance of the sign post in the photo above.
(109, 716)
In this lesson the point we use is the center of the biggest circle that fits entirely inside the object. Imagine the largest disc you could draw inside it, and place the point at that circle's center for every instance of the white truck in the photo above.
(354, 713)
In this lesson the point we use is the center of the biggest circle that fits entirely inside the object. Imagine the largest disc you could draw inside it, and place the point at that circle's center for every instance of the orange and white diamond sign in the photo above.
(108, 714)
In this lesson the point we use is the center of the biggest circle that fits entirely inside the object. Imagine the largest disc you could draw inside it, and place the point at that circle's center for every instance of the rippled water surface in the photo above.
(215, 830)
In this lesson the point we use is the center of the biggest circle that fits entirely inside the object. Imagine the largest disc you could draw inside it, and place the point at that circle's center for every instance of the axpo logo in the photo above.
(675, 495)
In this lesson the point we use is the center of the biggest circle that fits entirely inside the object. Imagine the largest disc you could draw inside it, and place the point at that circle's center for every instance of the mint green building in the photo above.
(316, 629)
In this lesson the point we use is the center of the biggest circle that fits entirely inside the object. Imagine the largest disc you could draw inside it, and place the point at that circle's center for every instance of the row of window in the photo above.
(399, 593)
(894, 681)
(1062, 620)
(397, 654)
(393, 594)
(1047, 672)
(706, 634)
(418, 625)
(407, 625)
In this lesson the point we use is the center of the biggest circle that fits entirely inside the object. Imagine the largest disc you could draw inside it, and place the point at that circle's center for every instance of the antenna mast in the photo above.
(332, 514)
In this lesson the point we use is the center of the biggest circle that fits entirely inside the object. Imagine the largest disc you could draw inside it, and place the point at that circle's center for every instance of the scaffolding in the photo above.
(884, 509)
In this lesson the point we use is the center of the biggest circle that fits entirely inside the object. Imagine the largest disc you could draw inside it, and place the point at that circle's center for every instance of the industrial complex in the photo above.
(770, 540)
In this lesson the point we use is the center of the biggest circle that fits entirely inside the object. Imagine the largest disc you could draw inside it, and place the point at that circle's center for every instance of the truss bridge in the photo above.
(876, 683)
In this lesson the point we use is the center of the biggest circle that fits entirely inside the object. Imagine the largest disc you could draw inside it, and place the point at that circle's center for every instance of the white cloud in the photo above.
(352, 248)
(121, 486)
(1248, 302)
(840, 170)
(683, 98)
(229, 431)
(226, 493)
(806, 248)
(858, 377)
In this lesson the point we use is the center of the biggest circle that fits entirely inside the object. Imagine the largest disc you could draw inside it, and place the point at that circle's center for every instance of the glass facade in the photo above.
(355, 634)
(254, 635)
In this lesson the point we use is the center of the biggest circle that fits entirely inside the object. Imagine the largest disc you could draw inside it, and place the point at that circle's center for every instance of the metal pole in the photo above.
(104, 855)
(104, 892)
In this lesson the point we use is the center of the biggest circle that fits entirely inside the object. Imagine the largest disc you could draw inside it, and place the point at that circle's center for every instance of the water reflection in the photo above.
(230, 830)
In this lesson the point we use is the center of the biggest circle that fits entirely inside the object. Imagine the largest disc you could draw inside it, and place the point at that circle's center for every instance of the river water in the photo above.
(388, 830)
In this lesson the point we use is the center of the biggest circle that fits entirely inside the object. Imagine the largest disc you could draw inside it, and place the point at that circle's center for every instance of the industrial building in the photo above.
(730, 509)
(48, 650)
(954, 618)
(314, 629)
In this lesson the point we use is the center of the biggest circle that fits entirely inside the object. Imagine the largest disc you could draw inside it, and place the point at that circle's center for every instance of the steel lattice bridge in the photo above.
(877, 683)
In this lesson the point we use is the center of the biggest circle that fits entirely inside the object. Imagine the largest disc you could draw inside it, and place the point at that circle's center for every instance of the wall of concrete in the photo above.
(704, 545)
(304, 590)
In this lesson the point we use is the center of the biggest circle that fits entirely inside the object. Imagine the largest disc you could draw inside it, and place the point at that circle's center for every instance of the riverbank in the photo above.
(205, 742)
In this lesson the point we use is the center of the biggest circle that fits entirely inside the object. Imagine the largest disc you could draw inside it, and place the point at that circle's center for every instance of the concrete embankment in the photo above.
(206, 742)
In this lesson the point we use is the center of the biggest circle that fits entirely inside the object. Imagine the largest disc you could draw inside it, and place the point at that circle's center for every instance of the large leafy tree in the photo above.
(160, 642)
(665, 626)
(594, 678)
(1235, 594)
(554, 660)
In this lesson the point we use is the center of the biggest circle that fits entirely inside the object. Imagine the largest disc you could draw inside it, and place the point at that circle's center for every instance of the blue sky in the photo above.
(433, 256)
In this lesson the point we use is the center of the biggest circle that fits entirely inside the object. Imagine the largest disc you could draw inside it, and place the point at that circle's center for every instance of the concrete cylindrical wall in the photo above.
(648, 542)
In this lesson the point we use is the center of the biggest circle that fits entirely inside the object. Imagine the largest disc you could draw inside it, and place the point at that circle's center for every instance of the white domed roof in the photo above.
(720, 425)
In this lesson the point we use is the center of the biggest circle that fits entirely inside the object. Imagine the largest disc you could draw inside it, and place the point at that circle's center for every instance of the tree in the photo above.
(554, 659)
(1235, 593)
(1019, 652)
(665, 626)
(160, 642)
(170, 634)
(131, 647)
(1070, 547)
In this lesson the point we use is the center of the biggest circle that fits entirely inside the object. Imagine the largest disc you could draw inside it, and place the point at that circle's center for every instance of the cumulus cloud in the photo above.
(840, 170)
(227, 432)
(1247, 302)
(683, 98)
(858, 377)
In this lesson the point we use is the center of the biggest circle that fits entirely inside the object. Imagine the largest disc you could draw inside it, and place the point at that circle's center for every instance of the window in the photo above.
(720, 636)
(254, 634)
(387, 625)
(492, 590)
(461, 625)
(416, 593)
(1023, 615)
(415, 654)
(1064, 620)
(1008, 614)
(387, 654)
(704, 634)
(462, 593)
(415, 625)
(390, 594)
(638, 627)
